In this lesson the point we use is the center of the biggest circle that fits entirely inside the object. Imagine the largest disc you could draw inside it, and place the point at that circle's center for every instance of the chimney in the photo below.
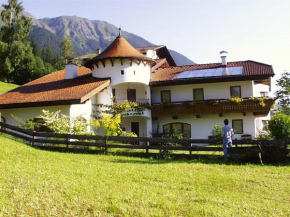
(99, 51)
(224, 62)
(224, 57)
(71, 71)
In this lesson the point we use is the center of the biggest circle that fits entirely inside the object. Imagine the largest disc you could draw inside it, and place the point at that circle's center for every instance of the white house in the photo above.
(186, 99)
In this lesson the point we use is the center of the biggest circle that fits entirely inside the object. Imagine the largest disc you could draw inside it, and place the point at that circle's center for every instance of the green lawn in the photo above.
(42, 183)
(4, 87)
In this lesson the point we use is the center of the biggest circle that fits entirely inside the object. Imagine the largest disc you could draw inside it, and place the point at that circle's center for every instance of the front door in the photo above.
(135, 128)
(131, 95)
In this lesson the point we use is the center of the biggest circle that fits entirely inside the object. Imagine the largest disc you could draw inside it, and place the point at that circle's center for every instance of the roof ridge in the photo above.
(219, 63)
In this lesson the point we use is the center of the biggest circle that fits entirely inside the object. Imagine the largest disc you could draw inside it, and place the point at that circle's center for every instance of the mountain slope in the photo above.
(89, 35)
(86, 35)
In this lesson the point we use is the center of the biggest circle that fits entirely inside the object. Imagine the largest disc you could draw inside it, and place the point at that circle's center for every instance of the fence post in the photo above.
(190, 151)
(106, 145)
(67, 141)
(147, 145)
(33, 137)
(236, 143)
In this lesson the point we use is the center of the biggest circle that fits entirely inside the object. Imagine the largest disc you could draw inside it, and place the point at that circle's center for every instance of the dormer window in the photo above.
(122, 72)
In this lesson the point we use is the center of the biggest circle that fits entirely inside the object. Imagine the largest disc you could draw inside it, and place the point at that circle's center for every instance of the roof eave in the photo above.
(95, 91)
(91, 62)
(40, 104)
(208, 80)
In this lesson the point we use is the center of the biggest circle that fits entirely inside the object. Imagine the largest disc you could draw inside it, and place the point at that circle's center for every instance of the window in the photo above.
(122, 72)
(264, 94)
(131, 95)
(198, 94)
(165, 96)
(238, 126)
(177, 128)
(236, 91)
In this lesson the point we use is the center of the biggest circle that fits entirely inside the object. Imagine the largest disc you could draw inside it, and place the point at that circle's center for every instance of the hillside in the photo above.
(45, 183)
(5, 87)
(87, 35)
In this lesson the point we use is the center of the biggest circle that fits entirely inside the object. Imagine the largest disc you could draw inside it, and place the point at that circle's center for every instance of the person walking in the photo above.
(227, 133)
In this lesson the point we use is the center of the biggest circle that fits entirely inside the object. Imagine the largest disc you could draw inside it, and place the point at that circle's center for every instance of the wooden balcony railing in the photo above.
(212, 107)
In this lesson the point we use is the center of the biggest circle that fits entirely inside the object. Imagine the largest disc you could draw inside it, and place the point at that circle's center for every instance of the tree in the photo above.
(17, 62)
(66, 48)
(16, 27)
(279, 127)
(283, 94)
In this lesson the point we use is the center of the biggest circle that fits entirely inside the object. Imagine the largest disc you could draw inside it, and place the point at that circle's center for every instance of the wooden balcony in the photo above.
(212, 107)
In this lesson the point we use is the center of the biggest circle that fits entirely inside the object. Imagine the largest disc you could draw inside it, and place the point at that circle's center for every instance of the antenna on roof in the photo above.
(120, 31)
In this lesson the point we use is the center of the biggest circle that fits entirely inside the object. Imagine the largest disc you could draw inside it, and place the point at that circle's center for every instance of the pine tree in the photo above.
(283, 94)
(17, 62)
(66, 48)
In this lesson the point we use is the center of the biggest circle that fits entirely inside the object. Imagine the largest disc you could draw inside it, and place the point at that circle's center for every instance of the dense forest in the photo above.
(21, 58)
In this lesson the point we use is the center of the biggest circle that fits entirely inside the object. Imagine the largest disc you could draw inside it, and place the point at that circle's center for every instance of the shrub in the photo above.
(55, 122)
(264, 135)
(217, 134)
(192, 103)
(236, 100)
(213, 102)
(279, 127)
(259, 100)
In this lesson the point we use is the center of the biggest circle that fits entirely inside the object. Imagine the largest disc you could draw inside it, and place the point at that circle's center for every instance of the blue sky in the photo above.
(199, 29)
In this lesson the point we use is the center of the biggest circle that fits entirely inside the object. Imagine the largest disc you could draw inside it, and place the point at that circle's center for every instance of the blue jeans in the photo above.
(227, 142)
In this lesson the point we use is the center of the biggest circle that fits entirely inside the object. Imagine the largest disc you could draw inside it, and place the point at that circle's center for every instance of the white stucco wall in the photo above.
(258, 88)
(201, 127)
(135, 73)
(141, 91)
(144, 128)
(211, 91)
(83, 110)
(151, 54)
(28, 113)
(260, 123)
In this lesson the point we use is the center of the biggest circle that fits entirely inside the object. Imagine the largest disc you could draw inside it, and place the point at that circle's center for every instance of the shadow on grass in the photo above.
(156, 158)
(196, 158)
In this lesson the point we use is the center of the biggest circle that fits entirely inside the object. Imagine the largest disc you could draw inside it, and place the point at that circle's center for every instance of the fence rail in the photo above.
(53, 140)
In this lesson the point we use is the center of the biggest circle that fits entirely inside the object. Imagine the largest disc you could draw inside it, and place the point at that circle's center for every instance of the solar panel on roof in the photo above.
(218, 72)
(215, 72)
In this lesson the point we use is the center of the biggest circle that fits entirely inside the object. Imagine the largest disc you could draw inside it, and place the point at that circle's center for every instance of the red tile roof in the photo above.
(120, 48)
(251, 68)
(54, 89)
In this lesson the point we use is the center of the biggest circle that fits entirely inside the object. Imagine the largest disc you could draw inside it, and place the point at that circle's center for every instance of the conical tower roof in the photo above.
(119, 49)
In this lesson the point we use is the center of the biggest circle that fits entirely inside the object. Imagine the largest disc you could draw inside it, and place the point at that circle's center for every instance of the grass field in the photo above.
(4, 87)
(42, 183)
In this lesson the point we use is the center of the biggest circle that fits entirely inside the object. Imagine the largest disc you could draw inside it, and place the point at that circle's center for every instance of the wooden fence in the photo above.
(68, 141)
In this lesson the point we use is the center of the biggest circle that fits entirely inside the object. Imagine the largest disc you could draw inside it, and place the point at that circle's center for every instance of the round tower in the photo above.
(129, 71)
(122, 63)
